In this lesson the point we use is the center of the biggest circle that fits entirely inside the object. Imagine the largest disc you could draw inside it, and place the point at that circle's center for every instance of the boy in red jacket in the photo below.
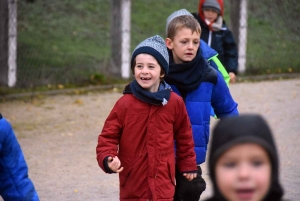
(137, 139)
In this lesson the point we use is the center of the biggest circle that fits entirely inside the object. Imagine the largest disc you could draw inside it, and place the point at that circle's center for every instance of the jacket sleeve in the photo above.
(216, 64)
(230, 52)
(221, 100)
(185, 154)
(14, 181)
(109, 137)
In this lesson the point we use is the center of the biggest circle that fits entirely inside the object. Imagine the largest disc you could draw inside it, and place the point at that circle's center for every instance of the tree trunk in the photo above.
(3, 42)
(116, 40)
(234, 18)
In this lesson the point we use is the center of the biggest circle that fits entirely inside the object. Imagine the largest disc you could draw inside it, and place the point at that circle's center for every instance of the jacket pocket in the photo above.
(124, 175)
(171, 168)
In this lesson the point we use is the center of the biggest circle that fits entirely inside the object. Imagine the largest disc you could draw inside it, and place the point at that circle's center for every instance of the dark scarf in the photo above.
(161, 97)
(187, 76)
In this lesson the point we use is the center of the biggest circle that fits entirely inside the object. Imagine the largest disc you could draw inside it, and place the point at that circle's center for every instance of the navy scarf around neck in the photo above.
(156, 98)
(187, 76)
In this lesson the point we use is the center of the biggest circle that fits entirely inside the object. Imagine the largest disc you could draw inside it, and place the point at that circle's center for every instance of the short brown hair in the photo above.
(180, 22)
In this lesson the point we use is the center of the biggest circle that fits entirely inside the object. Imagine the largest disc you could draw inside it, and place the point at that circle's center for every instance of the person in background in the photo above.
(217, 35)
(201, 87)
(137, 139)
(243, 160)
(15, 185)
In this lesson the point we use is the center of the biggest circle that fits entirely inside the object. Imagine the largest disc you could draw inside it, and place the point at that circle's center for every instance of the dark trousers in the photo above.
(186, 190)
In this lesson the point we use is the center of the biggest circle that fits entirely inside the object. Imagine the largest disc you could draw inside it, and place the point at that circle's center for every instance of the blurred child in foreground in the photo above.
(243, 160)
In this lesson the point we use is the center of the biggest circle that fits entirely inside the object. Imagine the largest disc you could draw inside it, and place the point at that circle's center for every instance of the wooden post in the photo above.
(234, 13)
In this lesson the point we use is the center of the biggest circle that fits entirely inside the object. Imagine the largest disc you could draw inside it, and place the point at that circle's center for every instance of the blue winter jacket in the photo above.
(212, 92)
(211, 56)
(14, 182)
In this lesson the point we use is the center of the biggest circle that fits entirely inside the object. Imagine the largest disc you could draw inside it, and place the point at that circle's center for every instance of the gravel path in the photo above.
(58, 135)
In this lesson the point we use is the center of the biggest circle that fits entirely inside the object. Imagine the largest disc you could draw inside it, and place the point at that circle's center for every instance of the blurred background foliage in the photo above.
(68, 41)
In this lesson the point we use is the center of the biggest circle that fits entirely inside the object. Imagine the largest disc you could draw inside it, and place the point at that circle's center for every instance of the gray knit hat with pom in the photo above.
(176, 14)
(156, 47)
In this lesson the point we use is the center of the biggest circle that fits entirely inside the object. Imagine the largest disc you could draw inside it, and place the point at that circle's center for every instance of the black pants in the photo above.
(186, 190)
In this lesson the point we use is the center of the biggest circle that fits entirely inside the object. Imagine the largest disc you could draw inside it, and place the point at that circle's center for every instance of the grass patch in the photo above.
(68, 42)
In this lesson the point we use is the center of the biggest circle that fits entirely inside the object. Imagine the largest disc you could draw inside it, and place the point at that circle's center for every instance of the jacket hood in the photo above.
(207, 52)
(245, 128)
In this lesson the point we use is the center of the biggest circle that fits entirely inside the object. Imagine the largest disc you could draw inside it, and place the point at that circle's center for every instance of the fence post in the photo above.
(242, 45)
(125, 31)
(120, 38)
(12, 43)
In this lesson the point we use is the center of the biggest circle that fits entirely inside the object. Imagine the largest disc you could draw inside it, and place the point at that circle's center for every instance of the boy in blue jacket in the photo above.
(14, 181)
(201, 87)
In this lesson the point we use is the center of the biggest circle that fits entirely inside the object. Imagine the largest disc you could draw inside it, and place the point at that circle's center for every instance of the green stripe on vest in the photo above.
(221, 68)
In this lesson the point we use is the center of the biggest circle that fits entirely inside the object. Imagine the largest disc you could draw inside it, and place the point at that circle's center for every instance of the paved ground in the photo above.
(58, 135)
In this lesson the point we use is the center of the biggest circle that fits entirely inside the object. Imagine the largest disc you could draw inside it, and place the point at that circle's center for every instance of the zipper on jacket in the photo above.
(209, 38)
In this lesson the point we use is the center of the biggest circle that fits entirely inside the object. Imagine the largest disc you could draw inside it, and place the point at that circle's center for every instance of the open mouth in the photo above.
(245, 194)
(145, 78)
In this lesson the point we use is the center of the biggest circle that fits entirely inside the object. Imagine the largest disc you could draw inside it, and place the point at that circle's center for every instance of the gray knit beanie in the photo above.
(212, 4)
(156, 47)
(176, 14)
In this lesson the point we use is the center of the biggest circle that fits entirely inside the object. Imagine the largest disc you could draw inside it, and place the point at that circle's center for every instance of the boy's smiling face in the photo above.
(243, 173)
(147, 72)
(184, 45)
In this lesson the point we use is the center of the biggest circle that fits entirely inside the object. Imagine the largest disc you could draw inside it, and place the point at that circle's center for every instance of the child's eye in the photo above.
(183, 42)
(196, 42)
(257, 163)
(139, 66)
(229, 164)
(151, 66)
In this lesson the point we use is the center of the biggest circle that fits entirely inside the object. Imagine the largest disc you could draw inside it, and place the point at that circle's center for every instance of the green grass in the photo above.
(68, 42)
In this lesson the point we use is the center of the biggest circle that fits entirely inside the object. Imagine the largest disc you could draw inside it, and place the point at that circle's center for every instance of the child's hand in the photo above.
(232, 77)
(114, 164)
(190, 176)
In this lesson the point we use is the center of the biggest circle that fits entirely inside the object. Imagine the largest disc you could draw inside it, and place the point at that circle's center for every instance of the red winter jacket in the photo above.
(144, 135)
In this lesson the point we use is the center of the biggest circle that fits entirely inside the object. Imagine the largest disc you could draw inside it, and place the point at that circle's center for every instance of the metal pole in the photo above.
(243, 37)
(125, 29)
(12, 43)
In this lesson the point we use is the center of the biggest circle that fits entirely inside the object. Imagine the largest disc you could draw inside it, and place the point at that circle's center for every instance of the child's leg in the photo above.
(189, 190)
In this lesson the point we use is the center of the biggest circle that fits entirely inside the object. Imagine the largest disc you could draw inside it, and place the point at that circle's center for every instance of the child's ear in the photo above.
(162, 74)
(169, 43)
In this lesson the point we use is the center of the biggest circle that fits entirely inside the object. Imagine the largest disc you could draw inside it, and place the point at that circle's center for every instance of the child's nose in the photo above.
(144, 71)
(191, 45)
(243, 171)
